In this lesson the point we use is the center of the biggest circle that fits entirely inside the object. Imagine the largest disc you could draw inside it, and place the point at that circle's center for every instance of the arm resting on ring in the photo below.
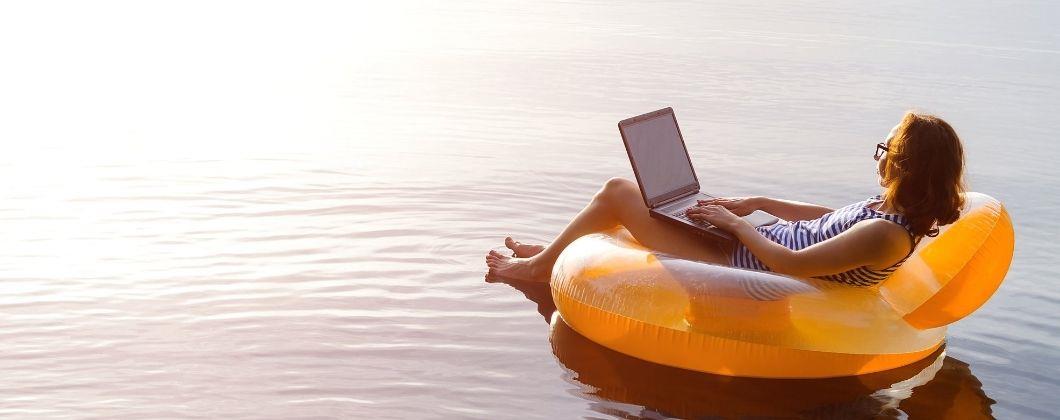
(869, 242)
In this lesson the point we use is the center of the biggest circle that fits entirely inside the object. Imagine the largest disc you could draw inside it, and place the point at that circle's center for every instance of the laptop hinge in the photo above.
(693, 188)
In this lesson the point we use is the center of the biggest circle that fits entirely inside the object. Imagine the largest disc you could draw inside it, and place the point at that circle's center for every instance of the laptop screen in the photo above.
(658, 153)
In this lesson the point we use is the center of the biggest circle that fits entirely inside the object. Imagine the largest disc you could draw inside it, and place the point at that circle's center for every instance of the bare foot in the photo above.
(528, 269)
(522, 250)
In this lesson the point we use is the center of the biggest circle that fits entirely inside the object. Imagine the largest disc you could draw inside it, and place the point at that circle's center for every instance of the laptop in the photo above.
(664, 172)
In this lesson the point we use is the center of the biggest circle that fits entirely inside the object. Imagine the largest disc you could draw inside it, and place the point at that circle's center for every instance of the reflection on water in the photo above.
(622, 386)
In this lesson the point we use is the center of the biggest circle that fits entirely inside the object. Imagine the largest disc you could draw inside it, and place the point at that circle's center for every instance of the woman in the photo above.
(920, 169)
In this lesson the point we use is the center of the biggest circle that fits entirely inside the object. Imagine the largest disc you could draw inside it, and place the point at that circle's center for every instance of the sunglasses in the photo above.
(880, 149)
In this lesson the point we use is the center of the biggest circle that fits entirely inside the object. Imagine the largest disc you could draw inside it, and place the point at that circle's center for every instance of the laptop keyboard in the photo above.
(680, 214)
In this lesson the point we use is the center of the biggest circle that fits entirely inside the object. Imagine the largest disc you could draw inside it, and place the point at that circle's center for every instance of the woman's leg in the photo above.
(618, 203)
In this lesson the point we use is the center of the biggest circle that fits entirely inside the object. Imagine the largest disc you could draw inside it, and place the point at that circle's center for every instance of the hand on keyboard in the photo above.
(718, 216)
(683, 215)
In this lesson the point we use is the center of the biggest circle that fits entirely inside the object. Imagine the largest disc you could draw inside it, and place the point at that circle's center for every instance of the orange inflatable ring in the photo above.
(741, 322)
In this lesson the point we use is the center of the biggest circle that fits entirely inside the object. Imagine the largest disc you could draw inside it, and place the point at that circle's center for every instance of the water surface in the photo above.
(245, 210)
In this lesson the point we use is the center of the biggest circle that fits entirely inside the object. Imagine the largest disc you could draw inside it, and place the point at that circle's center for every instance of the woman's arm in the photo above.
(784, 209)
(871, 242)
(791, 210)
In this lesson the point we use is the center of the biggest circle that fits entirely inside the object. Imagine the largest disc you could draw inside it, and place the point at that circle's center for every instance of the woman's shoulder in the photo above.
(888, 237)
(891, 239)
(884, 226)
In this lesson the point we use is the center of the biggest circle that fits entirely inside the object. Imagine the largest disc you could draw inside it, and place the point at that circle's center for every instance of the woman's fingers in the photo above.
(695, 209)
(702, 212)
(714, 214)
(729, 203)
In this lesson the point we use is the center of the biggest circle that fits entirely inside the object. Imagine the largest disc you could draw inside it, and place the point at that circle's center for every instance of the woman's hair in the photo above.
(923, 173)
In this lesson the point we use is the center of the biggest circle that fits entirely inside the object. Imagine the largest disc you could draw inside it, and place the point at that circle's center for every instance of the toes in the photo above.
(494, 259)
(510, 243)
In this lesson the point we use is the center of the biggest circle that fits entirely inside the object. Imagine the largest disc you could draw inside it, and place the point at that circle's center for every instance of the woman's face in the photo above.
(883, 159)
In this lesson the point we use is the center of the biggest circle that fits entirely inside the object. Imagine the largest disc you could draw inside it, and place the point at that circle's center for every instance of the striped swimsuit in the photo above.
(803, 233)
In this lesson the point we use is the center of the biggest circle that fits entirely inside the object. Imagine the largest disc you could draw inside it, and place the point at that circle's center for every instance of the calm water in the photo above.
(267, 211)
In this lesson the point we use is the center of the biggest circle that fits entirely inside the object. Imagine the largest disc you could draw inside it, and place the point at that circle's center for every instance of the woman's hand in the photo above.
(718, 216)
(740, 206)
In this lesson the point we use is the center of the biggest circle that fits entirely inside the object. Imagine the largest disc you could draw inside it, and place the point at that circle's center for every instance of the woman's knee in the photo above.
(618, 187)
(621, 195)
